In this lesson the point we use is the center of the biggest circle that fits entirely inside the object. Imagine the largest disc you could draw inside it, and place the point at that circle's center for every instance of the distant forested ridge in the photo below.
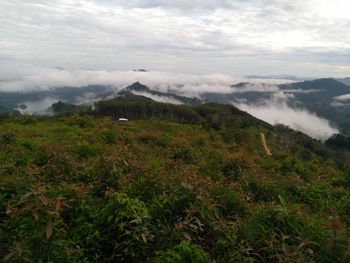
(213, 114)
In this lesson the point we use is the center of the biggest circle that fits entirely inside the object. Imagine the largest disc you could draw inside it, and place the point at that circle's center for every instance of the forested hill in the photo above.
(200, 184)
(212, 114)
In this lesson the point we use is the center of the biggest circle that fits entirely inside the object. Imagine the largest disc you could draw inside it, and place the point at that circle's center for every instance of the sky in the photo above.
(308, 38)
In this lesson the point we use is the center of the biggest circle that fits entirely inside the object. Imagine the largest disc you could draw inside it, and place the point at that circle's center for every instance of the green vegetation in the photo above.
(177, 184)
(339, 141)
(60, 107)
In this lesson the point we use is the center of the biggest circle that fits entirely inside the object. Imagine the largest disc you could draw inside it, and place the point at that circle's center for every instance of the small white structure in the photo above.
(123, 120)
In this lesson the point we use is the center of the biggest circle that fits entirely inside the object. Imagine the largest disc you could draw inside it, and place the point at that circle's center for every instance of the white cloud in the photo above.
(38, 107)
(255, 86)
(158, 98)
(293, 91)
(339, 104)
(17, 77)
(341, 101)
(277, 111)
(344, 97)
(87, 98)
(233, 37)
(183, 5)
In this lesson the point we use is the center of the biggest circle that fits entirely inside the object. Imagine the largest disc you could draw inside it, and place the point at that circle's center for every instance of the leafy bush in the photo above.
(175, 203)
(154, 140)
(263, 191)
(184, 252)
(229, 202)
(85, 150)
(42, 157)
(7, 138)
(231, 169)
(29, 145)
(279, 233)
(339, 140)
(35, 229)
(81, 121)
(183, 154)
(344, 208)
(109, 136)
(118, 230)
(28, 120)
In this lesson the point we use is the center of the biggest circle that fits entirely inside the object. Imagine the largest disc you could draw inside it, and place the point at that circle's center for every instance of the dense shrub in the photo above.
(34, 230)
(154, 140)
(184, 252)
(183, 154)
(339, 140)
(231, 169)
(7, 138)
(81, 121)
(109, 136)
(117, 230)
(85, 150)
(229, 201)
(28, 120)
(263, 191)
(83, 189)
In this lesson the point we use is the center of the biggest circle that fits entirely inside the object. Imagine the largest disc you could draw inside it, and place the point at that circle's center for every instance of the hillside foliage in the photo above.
(174, 184)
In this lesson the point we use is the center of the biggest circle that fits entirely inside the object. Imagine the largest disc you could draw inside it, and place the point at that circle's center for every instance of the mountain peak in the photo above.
(137, 86)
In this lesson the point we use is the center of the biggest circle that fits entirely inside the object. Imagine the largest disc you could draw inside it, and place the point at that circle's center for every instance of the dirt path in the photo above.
(263, 142)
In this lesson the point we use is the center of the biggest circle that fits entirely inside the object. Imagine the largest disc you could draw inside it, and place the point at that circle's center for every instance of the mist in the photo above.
(345, 97)
(277, 111)
(37, 107)
(25, 78)
(158, 98)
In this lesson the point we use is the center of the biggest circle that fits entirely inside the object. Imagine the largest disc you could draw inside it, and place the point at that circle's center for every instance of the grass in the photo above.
(86, 189)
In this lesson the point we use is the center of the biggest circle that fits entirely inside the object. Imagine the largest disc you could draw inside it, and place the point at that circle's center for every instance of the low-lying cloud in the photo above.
(158, 98)
(37, 107)
(257, 87)
(345, 97)
(277, 111)
(342, 101)
(24, 78)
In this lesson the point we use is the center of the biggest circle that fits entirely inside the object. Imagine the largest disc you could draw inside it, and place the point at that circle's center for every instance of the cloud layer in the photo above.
(277, 111)
(345, 97)
(39, 106)
(19, 78)
(232, 37)
(23, 78)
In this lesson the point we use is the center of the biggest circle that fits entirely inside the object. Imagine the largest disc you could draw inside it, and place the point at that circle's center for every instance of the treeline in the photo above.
(61, 107)
(145, 110)
(219, 116)
(339, 141)
(210, 115)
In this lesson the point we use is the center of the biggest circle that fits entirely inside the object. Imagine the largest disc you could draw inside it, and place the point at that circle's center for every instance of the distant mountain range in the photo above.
(325, 97)
(286, 77)
(321, 96)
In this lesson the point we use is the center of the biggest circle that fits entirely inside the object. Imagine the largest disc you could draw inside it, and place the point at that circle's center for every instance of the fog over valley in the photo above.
(264, 98)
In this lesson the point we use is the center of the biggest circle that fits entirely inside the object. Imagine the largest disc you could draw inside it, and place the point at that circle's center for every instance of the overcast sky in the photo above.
(239, 37)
